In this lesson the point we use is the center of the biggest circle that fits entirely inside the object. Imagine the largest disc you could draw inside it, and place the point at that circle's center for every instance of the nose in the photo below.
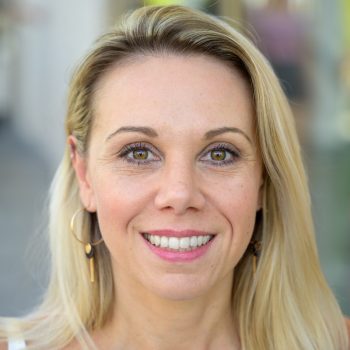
(179, 190)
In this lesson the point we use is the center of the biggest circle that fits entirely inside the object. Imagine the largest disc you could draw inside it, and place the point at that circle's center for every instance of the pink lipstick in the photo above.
(178, 246)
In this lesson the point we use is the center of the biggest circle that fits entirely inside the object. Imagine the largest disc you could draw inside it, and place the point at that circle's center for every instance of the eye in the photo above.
(220, 155)
(138, 153)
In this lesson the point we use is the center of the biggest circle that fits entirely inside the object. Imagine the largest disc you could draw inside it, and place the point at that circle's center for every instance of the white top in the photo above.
(16, 344)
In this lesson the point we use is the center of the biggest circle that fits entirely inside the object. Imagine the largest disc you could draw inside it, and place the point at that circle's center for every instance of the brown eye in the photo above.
(140, 154)
(218, 154)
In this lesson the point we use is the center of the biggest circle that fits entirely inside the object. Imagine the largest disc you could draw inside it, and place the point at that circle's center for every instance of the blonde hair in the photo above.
(287, 303)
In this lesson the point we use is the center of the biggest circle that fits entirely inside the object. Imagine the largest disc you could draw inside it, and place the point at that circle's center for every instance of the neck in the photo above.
(143, 320)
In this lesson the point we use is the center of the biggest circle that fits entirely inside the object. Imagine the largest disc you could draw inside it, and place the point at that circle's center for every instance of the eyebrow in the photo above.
(215, 132)
(141, 129)
(152, 133)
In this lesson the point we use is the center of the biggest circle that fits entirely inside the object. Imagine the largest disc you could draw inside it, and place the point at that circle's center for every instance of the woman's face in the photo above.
(173, 172)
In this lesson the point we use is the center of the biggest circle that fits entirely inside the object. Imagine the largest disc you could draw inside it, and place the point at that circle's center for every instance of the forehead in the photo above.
(173, 90)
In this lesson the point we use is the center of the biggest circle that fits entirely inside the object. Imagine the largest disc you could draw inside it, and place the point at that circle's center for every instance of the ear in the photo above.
(79, 163)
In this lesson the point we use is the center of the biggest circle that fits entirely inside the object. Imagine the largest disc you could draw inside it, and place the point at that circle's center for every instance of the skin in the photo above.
(180, 185)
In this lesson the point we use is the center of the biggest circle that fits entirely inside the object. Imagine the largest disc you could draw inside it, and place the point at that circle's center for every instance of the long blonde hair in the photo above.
(286, 304)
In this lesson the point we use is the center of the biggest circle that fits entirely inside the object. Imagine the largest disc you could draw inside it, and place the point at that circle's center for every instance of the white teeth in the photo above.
(164, 242)
(176, 243)
(156, 241)
(193, 241)
(185, 242)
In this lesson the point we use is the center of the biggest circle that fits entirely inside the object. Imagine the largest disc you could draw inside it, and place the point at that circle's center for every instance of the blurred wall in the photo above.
(49, 40)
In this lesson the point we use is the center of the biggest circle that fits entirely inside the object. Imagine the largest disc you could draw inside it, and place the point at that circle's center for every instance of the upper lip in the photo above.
(178, 233)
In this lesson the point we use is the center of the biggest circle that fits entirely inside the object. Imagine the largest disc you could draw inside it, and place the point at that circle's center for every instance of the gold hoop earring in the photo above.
(89, 247)
(256, 250)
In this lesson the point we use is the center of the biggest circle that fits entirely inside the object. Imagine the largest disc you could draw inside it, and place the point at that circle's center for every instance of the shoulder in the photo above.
(3, 345)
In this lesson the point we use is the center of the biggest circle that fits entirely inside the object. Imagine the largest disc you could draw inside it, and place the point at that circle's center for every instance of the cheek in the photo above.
(238, 204)
(244, 207)
(118, 201)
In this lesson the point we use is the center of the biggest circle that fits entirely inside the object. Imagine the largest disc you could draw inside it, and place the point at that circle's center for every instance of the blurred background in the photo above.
(308, 44)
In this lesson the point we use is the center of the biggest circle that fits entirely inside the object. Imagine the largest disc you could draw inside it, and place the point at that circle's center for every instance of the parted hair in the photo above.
(287, 303)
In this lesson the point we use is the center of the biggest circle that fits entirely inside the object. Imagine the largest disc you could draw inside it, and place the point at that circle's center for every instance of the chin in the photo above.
(180, 288)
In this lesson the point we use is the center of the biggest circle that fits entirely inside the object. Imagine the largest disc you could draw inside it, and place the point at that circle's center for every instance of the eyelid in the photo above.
(221, 145)
(126, 149)
(234, 154)
(139, 144)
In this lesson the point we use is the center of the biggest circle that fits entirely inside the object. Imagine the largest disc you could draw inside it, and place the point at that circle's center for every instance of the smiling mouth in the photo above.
(177, 244)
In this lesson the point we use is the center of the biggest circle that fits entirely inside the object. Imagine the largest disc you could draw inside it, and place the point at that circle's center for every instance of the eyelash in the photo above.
(233, 153)
(126, 150)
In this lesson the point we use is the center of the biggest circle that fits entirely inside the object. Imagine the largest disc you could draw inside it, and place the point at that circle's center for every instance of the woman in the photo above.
(180, 215)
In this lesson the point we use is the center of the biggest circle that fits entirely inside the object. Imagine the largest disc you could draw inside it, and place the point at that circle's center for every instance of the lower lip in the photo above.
(177, 256)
